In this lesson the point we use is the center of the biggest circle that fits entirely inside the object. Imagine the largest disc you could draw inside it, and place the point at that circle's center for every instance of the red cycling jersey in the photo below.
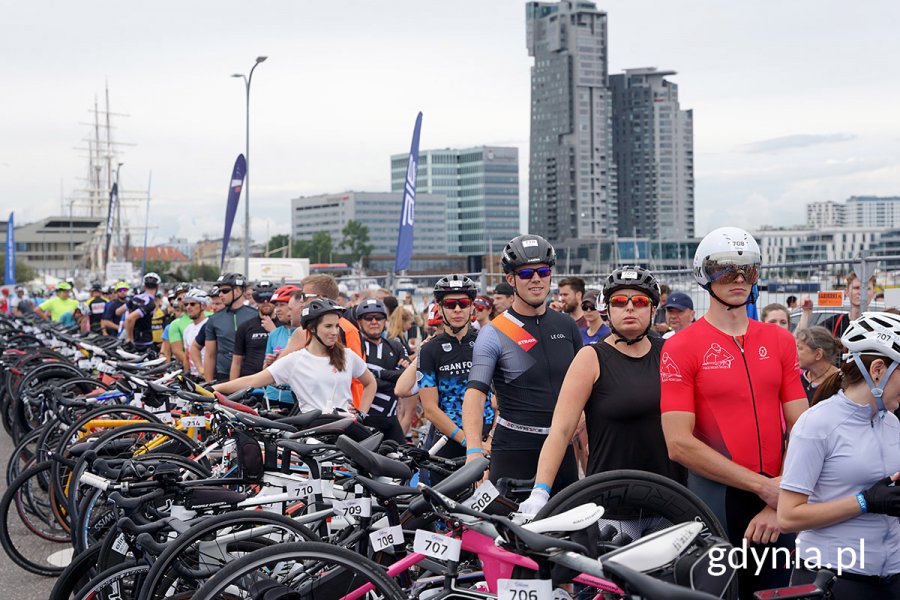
(735, 393)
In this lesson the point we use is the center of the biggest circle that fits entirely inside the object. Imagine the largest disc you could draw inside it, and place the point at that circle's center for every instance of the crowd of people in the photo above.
(789, 437)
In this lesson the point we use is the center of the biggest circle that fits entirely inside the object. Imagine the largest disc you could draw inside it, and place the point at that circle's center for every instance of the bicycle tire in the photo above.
(17, 497)
(23, 456)
(113, 583)
(355, 571)
(77, 575)
(167, 573)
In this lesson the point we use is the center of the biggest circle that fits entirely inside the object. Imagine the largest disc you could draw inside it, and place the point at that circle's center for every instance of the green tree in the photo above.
(201, 273)
(278, 242)
(24, 272)
(162, 268)
(355, 241)
(319, 249)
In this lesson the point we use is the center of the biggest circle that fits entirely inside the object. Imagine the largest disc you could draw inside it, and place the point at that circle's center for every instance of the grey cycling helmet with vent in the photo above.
(455, 284)
(371, 306)
(527, 250)
(317, 308)
(632, 278)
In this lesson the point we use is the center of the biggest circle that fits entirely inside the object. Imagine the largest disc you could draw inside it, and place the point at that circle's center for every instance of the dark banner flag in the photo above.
(234, 196)
(408, 210)
(10, 274)
(113, 203)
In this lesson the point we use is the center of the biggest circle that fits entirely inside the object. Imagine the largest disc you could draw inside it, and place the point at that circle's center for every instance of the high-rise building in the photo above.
(482, 189)
(653, 146)
(572, 178)
(826, 214)
(873, 211)
(379, 211)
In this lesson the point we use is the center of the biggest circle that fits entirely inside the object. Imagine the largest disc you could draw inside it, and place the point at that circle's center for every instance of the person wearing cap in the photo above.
(141, 309)
(195, 302)
(55, 308)
(196, 348)
(596, 329)
(114, 309)
(503, 297)
(222, 326)
(176, 327)
(484, 307)
(252, 335)
(96, 307)
(679, 312)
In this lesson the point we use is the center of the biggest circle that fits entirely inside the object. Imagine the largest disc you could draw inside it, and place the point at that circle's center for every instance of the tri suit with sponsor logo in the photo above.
(445, 363)
(383, 360)
(736, 388)
(526, 359)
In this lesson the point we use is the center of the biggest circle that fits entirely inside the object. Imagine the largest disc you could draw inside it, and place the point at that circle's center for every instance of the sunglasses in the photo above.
(621, 301)
(725, 267)
(527, 274)
(588, 306)
(225, 290)
(457, 303)
(372, 318)
(310, 296)
(186, 304)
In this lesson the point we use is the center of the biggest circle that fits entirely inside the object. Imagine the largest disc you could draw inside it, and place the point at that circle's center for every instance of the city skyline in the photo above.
(784, 115)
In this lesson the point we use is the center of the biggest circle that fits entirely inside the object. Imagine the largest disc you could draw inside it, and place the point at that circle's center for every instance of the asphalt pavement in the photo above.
(16, 583)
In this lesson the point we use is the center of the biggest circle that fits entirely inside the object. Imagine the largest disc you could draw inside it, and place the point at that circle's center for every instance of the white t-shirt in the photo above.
(315, 382)
(187, 338)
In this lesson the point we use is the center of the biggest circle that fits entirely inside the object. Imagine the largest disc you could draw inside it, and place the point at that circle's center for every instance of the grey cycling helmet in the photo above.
(232, 279)
(318, 308)
(633, 278)
(455, 284)
(527, 250)
(371, 306)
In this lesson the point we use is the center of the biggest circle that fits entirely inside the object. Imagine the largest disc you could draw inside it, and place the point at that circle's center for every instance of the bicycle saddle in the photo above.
(456, 483)
(574, 519)
(370, 463)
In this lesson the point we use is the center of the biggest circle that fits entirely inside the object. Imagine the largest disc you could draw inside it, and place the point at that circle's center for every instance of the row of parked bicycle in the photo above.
(129, 480)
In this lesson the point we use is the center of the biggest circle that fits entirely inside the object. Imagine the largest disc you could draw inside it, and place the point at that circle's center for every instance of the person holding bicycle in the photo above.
(445, 362)
(838, 488)
(615, 385)
(730, 389)
(320, 373)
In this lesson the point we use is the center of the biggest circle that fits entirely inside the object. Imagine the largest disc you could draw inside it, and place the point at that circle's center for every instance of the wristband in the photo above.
(463, 443)
(474, 451)
(861, 500)
(452, 435)
(542, 486)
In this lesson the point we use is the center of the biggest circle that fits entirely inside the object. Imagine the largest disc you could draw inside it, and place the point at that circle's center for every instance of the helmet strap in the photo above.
(454, 330)
(628, 341)
(520, 297)
(751, 299)
(876, 389)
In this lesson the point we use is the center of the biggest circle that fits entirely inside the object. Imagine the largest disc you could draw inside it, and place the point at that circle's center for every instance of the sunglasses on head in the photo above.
(621, 301)
(372, 318)
(527, 274)
(456, 303)
(588, 305)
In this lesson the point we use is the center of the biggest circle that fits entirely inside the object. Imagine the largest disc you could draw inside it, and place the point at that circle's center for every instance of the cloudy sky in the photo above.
(793, 101)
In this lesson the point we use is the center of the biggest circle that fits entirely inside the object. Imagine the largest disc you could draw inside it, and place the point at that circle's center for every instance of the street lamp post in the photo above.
(247, 80)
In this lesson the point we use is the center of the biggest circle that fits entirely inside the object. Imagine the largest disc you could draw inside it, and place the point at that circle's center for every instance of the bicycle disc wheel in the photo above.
(307, 570)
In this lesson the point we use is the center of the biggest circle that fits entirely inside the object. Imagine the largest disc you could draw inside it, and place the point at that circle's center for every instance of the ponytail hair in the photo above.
(849, 374)
(336, 356)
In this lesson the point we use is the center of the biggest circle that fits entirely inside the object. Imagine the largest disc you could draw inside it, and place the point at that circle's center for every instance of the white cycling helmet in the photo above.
(875, 333)
(723, 252)
(196, 295)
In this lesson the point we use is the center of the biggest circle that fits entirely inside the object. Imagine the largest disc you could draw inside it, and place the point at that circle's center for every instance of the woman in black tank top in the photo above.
(616, 385)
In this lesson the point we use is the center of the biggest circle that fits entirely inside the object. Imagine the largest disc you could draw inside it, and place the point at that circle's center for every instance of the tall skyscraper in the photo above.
(572, 179)
(653, 146)
(482, 189)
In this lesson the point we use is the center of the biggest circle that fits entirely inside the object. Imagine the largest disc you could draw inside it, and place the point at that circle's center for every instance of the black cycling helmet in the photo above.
(97, 287)
(455, 284)
(317, 308)
(182, 287)
(263, 291)
(634, 278)
(371, 306)
(527, 250)
(631, 278)
(232, 279)
(152, 279)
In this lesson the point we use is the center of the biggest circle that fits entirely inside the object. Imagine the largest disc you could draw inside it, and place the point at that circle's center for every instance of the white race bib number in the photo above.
(84, 364)
(524, 589)
(165, 418)
(385, 538)
(303, 489)
(193, 421)
(436, 545)
(484, 495)
(357, 507)
(120, 546)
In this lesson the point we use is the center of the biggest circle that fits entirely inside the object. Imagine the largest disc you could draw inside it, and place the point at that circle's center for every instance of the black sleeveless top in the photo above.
(623, 417)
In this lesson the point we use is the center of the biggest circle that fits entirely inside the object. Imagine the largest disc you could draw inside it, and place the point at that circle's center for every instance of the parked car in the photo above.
(821, 314)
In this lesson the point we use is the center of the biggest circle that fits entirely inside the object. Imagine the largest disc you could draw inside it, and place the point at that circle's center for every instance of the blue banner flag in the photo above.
(110, 218)
(9, 277)
(234, 196)
(408, 210)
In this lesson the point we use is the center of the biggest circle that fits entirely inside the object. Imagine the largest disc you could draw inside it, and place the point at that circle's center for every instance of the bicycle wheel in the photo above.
(208, 546)
(307, 570)
(24, 455)
(77, 575)
(636, 503)
(116, 583)
(29, 532)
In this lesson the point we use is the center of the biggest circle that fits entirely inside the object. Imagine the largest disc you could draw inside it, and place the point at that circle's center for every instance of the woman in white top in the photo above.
(319, 374)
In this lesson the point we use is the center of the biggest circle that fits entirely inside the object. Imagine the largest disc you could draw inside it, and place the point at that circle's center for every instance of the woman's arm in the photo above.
(574, 394)
(795, 513)
(406, 381)
(257, 380)
(369, 388)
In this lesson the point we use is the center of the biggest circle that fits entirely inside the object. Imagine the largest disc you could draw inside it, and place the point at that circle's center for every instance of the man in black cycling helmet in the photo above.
(524, 354)
(631, 278)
